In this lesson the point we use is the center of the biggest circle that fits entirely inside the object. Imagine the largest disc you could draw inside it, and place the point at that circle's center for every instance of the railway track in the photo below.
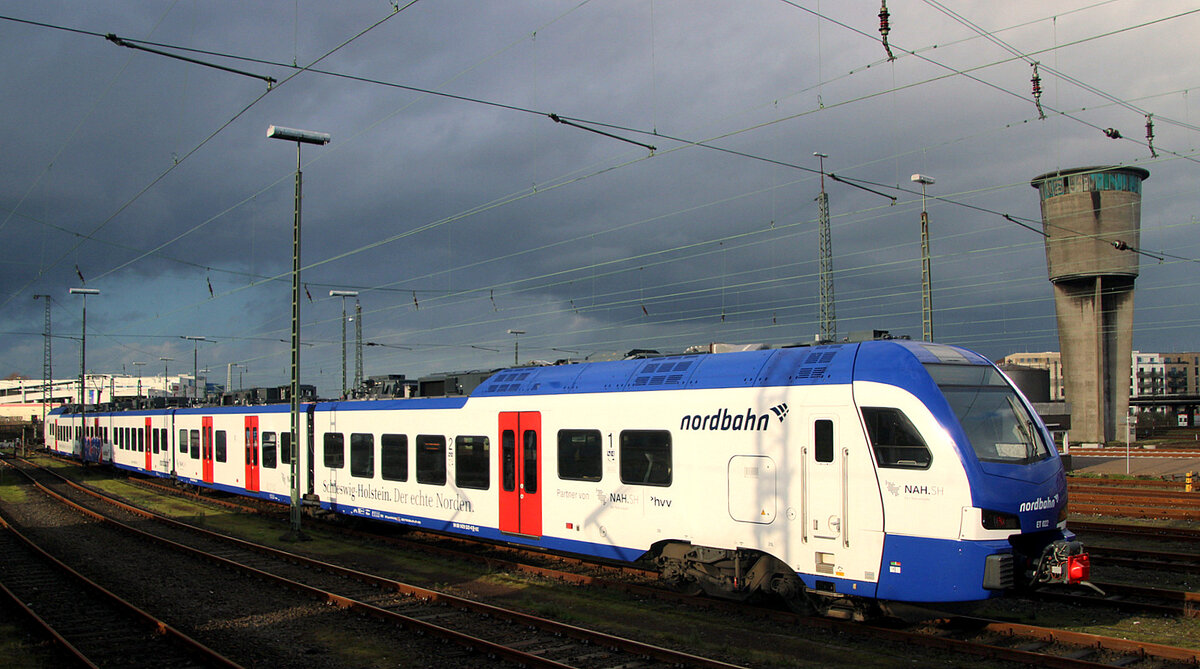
(489, 631)
(1142, 499)
(1182, 534)
(1137, 452)
(93, 625)
(1183, 563)
(960, 636)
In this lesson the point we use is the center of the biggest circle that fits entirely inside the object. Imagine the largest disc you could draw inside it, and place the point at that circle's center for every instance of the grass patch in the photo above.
(354, 649)
(18, 650)
(11, 488)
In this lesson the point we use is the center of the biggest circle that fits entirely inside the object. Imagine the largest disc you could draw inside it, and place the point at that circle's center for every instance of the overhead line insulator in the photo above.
(1037, 90)
(885, 28)
(1150, 135)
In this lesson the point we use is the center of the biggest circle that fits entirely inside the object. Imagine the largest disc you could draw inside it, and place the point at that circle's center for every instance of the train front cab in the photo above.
(974, 492)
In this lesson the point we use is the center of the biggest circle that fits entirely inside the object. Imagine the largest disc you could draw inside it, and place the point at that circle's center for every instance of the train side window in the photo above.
(472, 462)
(269, 450)
(646, 457)
(220, 454)
(183, 441)
(141, 440)
(166, 445)
(579, 455)
(393, 457)
(508, 460)
(823, 440)
(529, 461)
(896, 442)
(285, 447)
(195, 439)
(431, 459)
(335, 450)
(154, 439)
(362, 455)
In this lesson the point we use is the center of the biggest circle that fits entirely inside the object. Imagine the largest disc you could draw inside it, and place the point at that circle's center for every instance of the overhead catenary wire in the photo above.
(705, 143)
(176, 163)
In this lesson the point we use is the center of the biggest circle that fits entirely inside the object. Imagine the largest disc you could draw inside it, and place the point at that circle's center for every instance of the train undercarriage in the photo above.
(742, 574)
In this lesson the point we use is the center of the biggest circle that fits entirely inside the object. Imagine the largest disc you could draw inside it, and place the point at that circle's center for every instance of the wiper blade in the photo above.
(1024, 426)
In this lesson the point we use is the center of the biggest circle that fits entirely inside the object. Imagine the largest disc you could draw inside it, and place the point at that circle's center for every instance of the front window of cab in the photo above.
(991, 413)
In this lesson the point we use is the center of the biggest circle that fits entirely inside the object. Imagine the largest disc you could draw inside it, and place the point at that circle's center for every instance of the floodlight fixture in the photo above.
(922, 179)
(343, 293)
(84, 291)
(516, 345)
(294, 135)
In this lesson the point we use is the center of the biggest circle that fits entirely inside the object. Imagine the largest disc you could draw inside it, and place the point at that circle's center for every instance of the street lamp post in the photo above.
(139, 366)
(516, 338)
(195, 366)
(926, 274)
(82, 366)
(320, 139)
(166, 382)
(344, 294)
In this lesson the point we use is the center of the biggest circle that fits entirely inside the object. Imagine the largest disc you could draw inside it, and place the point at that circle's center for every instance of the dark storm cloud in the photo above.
(582, 240)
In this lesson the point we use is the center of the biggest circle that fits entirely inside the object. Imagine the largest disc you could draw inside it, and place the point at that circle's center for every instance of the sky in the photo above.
(602, 175)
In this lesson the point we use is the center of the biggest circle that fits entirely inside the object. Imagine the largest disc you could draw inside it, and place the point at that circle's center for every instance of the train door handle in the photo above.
(835, 523)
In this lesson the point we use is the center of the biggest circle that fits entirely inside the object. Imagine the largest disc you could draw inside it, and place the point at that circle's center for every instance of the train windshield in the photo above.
(997, 423)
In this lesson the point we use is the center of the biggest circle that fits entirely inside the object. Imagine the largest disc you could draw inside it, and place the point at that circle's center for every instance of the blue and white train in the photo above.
(841, 476)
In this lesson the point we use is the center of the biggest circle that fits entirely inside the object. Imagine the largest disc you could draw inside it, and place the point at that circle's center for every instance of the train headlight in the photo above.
(1062, 514)
(1079, 568)
(998, 520)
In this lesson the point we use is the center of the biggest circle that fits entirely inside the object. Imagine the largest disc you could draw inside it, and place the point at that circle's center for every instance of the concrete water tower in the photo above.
(1092, 217)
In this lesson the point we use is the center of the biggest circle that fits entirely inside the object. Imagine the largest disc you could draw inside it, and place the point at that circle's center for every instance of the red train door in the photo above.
(146, 436)
(520, 473)
(206, 448)
(252, 453)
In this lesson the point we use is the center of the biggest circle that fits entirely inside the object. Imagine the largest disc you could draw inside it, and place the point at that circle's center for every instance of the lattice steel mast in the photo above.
(358, 360)
(828, 317)
(47, 372)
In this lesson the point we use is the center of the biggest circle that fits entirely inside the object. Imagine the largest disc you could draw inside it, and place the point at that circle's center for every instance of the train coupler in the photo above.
(1065, 563)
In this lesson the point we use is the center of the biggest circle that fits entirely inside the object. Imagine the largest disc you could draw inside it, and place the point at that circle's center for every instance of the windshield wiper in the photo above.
(1025, 427)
